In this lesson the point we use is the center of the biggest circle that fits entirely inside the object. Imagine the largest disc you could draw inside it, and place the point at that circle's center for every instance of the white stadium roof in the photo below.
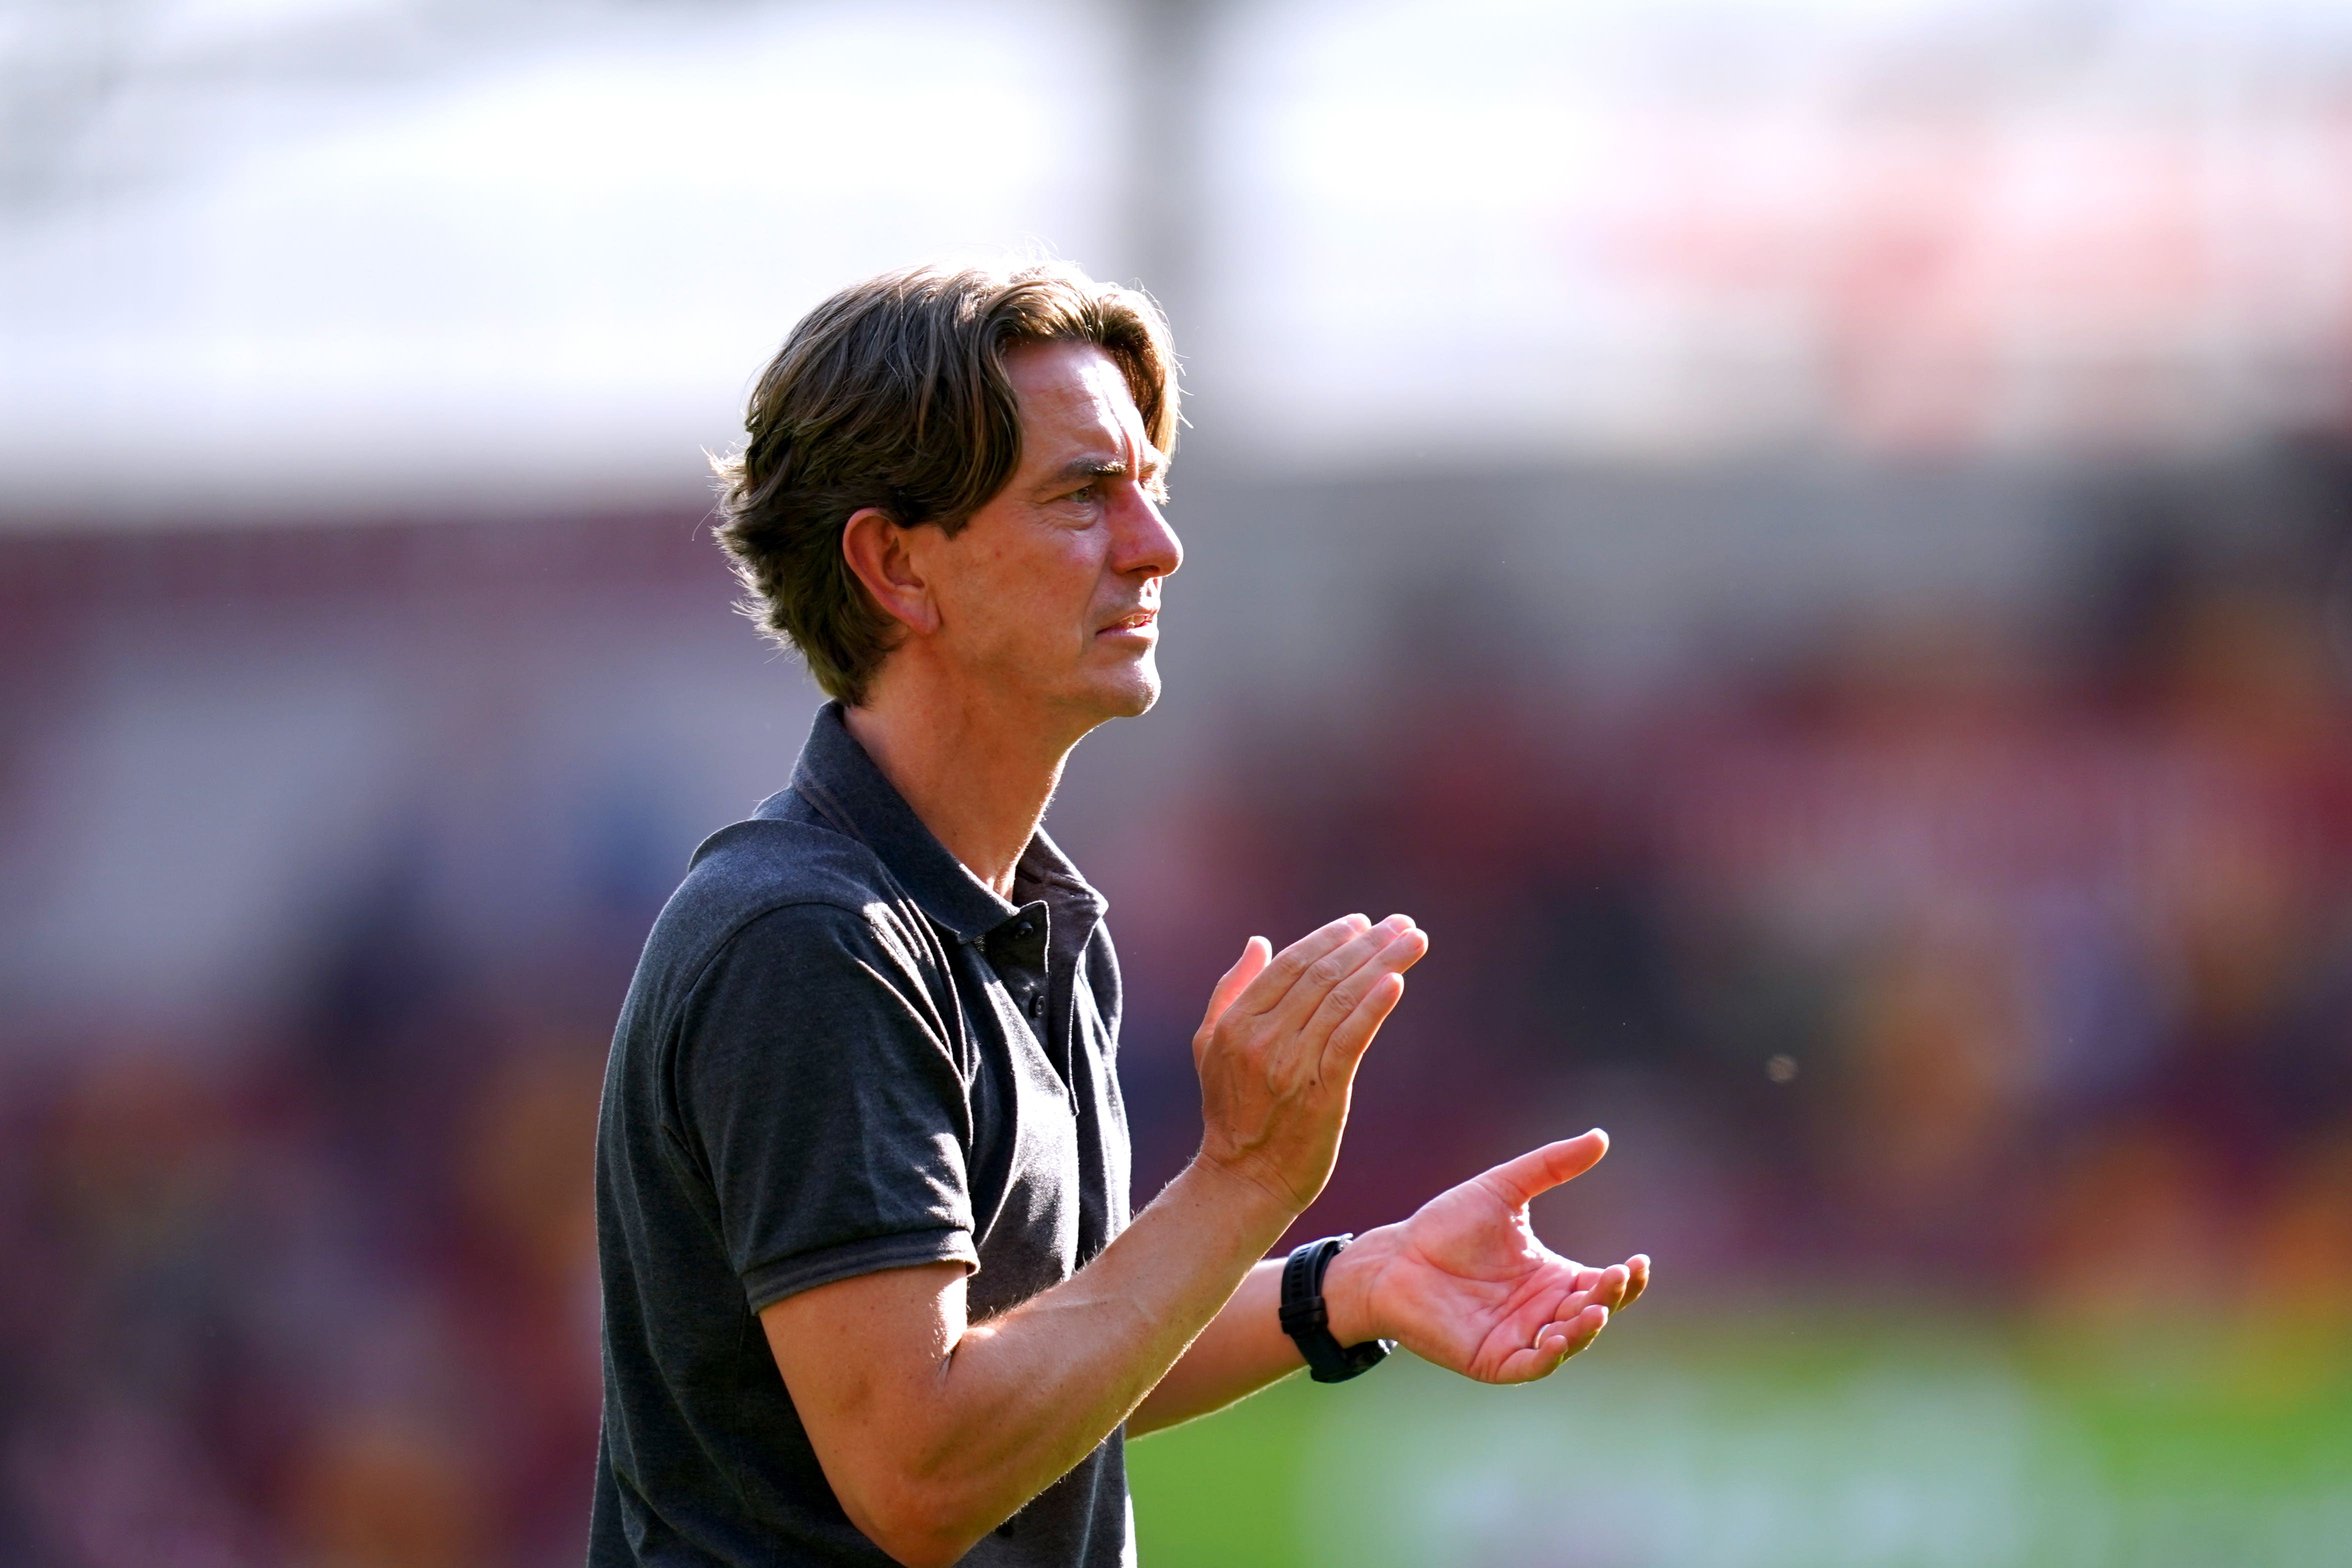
(300, 258)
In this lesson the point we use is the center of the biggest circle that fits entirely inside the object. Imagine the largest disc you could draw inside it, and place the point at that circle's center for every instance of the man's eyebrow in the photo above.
(1098, 466)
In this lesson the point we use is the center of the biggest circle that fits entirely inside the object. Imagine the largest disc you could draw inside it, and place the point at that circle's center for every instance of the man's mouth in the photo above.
(1133, 623)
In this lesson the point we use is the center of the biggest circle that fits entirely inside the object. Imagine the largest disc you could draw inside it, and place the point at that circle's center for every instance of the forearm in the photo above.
(1020, 1400)
(1241, 1350)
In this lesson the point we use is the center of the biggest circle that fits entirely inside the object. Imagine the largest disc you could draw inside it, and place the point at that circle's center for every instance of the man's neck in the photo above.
(979, 779)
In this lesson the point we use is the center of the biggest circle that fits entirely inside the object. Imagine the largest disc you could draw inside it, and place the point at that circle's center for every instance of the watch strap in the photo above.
(1308, 1321)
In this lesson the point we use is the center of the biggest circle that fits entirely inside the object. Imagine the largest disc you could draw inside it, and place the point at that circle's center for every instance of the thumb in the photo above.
(1257, 954)
(1541, 1170)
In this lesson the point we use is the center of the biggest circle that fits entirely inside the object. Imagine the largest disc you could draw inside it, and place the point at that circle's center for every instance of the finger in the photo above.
(1637, 1278)
(1574, 1335)
(1267, 992)
(1308, 992)
(1401, 953)
(1344, 1051)
(1610, 1289)
(1257, 954)
(1553, 1345)
(1541, 1170)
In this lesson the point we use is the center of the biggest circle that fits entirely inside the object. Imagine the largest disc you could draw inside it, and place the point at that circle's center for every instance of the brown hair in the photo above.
(893, 395)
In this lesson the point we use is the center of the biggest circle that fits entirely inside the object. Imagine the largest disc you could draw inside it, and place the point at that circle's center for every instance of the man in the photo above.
(871, 1290)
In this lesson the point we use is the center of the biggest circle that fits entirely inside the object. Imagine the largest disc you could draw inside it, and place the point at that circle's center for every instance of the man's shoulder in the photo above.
(785, 876)
(774, 862)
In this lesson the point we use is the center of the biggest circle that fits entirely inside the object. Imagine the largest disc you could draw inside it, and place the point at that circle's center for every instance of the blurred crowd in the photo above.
(2001, 964)
(327, 1301)
(1962, 962)
(2008, 964)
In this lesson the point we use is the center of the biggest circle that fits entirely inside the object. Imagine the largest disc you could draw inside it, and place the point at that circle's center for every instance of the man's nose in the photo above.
(1143, 544)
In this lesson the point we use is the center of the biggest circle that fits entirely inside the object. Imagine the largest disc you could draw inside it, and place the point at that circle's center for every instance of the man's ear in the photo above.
(876, 549)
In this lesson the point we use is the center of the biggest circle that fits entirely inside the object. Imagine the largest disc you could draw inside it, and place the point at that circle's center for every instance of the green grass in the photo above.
(1872, 1441)
(1225, 1489)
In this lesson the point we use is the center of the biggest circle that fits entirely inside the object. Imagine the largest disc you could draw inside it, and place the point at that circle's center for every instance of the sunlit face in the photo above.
(1051, 590)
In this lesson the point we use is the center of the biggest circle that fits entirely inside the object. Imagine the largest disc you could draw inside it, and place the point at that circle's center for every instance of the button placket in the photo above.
(1018, 952)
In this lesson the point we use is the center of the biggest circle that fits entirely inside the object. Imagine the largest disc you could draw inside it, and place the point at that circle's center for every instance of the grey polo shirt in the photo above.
(842, 1052)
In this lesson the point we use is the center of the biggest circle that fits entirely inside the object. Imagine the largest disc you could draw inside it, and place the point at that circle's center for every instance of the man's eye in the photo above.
(1087, 493)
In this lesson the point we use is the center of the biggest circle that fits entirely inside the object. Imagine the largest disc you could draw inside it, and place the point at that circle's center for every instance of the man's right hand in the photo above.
(1278, 1049)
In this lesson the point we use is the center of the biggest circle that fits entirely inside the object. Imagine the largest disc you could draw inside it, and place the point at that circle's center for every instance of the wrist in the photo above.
(1351, 1288)
(1255, 1213)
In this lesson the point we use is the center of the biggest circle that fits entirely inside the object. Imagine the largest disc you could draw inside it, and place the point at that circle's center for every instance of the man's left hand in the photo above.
(1464, 1283)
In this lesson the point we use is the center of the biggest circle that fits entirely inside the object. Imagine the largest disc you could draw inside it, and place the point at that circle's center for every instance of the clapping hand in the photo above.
(1464, 1283)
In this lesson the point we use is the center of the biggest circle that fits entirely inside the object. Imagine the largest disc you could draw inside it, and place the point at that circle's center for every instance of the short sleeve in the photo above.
(821, 1088)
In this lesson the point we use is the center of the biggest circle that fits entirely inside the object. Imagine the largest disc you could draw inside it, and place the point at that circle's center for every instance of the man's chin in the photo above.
(1129, 694)
(1134, 700)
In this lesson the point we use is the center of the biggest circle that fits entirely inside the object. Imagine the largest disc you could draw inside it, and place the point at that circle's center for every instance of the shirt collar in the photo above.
(843, 785)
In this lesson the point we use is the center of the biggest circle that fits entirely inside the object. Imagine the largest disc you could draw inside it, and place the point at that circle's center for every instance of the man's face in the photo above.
(1051, 592)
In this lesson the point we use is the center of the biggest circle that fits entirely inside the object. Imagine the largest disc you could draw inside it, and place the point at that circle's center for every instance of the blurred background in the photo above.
(1809, 542)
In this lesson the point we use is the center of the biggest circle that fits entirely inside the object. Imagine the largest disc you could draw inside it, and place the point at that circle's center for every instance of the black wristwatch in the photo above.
(1306, 1320)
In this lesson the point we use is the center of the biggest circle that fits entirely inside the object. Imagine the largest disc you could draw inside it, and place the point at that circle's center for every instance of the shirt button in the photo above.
(1023, 928)
(1037, 1006)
